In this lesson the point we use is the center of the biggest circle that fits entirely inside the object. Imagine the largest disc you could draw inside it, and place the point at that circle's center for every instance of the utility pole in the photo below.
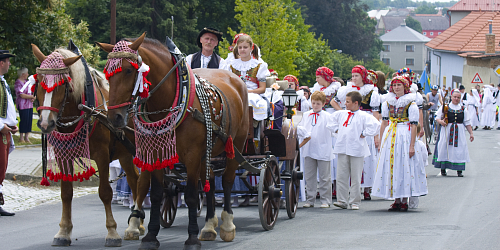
(113, 22)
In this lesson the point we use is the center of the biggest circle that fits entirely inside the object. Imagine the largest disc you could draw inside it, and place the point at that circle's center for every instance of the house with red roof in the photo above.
(464, 43)
(465, 7)
(432, 24)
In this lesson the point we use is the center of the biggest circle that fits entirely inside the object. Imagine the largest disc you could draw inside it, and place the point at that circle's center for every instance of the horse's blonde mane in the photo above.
(77, 74)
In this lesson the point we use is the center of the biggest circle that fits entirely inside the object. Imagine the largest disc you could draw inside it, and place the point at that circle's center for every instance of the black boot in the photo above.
(443, 172)
(5, 213)
(459, 173)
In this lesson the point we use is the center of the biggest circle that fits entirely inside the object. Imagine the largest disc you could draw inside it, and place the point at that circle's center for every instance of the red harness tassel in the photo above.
(44, 182)
(207, 186)
(229, 148)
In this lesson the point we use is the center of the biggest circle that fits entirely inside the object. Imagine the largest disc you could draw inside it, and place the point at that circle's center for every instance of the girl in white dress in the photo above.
(452, 145)
(370, 104)
(253, 72)
(473, 107)
(394, 176)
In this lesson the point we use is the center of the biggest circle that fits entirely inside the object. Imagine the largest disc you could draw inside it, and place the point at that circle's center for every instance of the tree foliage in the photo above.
(426, 9)
(414, 24)
(43, 23)
(217, 14)
(349, 29)
(383, 4)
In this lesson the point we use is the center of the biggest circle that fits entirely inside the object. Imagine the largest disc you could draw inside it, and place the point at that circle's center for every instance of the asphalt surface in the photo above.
(458, 213)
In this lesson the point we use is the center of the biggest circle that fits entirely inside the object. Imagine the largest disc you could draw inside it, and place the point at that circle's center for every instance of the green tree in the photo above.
(426, 9)
(266, 22)
(217, 14)
(94, 12)
(154, 17)
(43, 23)
(414, 24)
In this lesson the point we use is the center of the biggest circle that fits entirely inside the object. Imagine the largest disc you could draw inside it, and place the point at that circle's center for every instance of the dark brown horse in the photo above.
(191, 135)
(101, 142)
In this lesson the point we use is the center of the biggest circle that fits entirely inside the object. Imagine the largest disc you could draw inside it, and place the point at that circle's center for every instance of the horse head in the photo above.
(127, 78)
(53, 72)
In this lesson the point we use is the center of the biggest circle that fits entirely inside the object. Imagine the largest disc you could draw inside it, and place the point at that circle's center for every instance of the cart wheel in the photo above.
(169, 205)
(292, 186)
(199, 208)
(269, 194)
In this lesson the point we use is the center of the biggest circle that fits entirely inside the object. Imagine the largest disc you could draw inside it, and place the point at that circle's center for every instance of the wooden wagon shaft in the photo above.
(304, 142)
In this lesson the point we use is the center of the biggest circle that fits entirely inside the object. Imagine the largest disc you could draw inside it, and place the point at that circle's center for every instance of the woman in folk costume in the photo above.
(473, 107)
(302, 102)
(328, 85)
(488, 108)
(452, 145)
(370, 103)
(394, 176)
(253, 73)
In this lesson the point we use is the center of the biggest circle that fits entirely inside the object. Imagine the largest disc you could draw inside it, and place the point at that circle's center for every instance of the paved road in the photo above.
(458, 213)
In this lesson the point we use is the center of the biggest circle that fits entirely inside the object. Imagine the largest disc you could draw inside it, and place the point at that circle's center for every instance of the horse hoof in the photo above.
(192, 247)
(227, 235)
(208, 235)
(113, 243)
(142, 230)
(61, 242)
(149, 245)
(131, 235)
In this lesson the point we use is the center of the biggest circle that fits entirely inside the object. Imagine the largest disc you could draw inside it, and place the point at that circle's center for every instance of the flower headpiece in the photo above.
(294, 79)
(231, 47)
(373, 77)
(403, 80)
(274, 73)
(363, 72)
(325, 73)
(122, 51)
(408, 73)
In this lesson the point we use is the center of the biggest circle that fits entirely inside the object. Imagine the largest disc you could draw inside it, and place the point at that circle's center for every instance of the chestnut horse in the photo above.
(101, 142)
(191, 134)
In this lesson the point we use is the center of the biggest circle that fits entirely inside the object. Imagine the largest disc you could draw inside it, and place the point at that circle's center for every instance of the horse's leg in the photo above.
(136, 219)
(228, 229)
(211, 222)
(63, 237)
(149, 241)
(113, 239)
(191, 196)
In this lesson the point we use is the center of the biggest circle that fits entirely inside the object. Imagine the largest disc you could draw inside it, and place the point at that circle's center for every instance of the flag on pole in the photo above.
(425, 82)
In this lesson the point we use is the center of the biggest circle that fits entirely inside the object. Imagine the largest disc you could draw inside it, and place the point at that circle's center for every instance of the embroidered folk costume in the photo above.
(352, 150)
(370, 103)
(452, 151)
(394, 176)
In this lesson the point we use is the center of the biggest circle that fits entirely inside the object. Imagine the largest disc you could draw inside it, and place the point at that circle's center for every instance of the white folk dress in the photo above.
(488, 109)
(370, 102)
(453, 156)
(330, 92)
(252, 72)
(473, 108)
(394, 177)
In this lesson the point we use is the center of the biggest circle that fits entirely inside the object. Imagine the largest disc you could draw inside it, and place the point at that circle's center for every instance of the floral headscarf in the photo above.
(294, 79)
(402, 80)
(231, 48)
(408, 73)
(363, 72)
(325, 73)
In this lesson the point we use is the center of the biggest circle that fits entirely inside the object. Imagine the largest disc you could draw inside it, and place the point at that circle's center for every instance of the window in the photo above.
(432, 33)
(386, 61)
(425, 33)
(387, 48)
(410, 48)
(410, 61)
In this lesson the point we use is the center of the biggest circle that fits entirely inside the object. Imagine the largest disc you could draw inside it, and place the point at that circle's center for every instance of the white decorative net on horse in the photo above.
(68, 155)
(155, 143)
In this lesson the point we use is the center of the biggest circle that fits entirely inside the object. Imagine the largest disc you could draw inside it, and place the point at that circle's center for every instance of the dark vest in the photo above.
(365, 102)
(196, 61)
(456, 116)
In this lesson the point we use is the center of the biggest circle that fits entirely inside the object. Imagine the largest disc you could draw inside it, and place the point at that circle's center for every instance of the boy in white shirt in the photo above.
(316, 127)
(352, 126)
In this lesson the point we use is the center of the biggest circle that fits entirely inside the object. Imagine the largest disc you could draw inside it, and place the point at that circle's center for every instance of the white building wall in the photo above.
(398, 55)
(457, 15)
(451, 65)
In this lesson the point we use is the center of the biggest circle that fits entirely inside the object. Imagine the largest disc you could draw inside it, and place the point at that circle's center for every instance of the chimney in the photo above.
(490, 40)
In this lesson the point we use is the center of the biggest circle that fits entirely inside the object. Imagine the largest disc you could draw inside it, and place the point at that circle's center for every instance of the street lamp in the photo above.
(289, 99)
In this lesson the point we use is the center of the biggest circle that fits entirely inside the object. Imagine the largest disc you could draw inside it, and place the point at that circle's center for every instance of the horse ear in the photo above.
(105, 46)
(69, 61)
(38, 54)
(137, 43)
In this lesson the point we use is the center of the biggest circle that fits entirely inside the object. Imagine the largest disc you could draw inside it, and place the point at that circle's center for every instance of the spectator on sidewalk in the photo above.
(8, 123)
(24, 103)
